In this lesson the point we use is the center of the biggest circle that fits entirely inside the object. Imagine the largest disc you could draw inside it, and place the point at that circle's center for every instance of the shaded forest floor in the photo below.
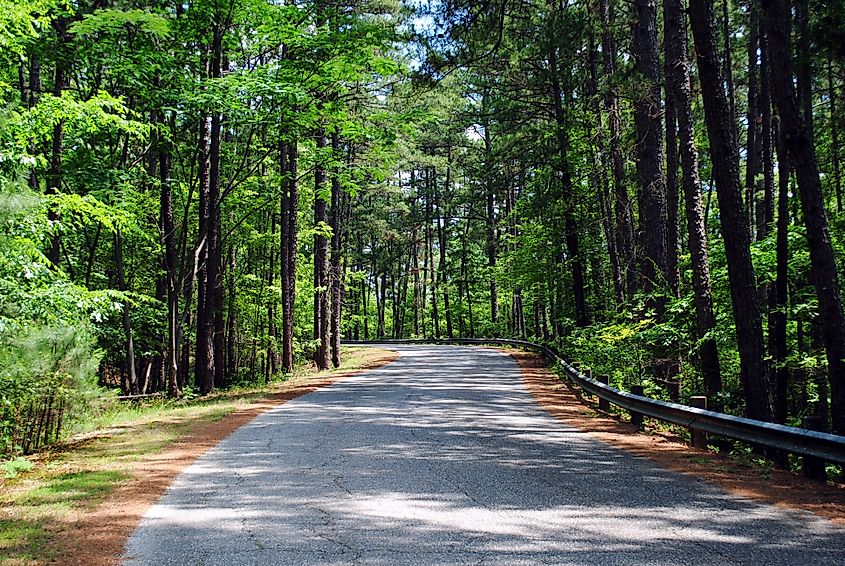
(741, 476)
(81, 500)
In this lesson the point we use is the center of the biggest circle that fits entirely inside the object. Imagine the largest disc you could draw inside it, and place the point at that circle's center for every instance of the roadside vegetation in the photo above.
(41, 495)
(200, 195)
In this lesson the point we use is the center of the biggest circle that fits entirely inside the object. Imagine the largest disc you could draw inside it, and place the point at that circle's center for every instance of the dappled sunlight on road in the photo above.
(443, 457)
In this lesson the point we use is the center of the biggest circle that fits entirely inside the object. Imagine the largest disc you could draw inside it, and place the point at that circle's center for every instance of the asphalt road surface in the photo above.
(443, 457)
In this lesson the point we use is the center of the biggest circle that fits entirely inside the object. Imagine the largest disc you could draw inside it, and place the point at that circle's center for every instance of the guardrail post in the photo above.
(637, 418)
(814, 468)
(604, 405)
(699, 437)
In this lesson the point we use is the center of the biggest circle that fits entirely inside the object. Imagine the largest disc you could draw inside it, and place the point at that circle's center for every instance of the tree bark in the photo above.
(288, 220)
(678, 78)
(725, 158)
(672, 158)
(442, 220)
(650, 155)
(336, 278)
(624, 215)
(571, 228)
(834, 137)
(204, 360)
(132, 385)
(321, 261)
(168, 231)
(778, 295)
(798, 140)
(752, 146)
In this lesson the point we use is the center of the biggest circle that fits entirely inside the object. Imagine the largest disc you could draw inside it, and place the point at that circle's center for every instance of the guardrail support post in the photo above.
(814, 468)
(699, 437)
(637, 418)
(604, 405)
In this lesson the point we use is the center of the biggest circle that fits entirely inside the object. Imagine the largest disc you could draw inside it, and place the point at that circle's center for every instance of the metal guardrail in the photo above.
(804, 442)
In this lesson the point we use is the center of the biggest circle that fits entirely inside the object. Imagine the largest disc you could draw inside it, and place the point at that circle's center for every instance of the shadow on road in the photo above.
(444, 458)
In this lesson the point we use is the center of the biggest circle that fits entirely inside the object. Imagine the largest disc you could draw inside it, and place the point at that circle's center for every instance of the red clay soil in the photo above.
(781, 488)
(97, 538)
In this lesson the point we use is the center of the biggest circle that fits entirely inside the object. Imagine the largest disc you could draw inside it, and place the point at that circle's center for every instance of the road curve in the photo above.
(443, 457)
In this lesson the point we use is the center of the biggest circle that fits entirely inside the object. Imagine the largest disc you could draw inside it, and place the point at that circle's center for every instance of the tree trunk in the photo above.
(288, 220)
(650, 155)
(767, 203)
(834, 137)
(272, 355)
(571, 228)
(442, 220)
(168, 231)
(491, 247)
(778, 295)
(232, 318)
(624, 214)
(132, 385)
(321, 261)
(204, 360)
(671, 111)
(725, 158)
(752, 142)
(214, 275)
(336, 278)
(799, 144)
(678, 78)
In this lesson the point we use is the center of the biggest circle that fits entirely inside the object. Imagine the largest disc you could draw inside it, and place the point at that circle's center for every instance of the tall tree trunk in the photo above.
(232, 318)
(336, 278)
(168, 231)
(672, 272)
(442, 220)
(624, 214)
(767, 203)
(288, 220)
(490, 225)
(805, 69)
(834, 137)
(272, 356)
(571, 228)
(752, 147)
(431, 183)
(778, 295)
(132, 385)
(321, 260)
(204, 360)
(729, 67)
(650, 154)
(54, 175)
(214, 275)
(34, 94)
(678, 77)
(799, 143)
(725, 158)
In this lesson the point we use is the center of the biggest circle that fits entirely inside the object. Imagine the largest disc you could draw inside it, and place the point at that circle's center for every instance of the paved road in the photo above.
(442, 457)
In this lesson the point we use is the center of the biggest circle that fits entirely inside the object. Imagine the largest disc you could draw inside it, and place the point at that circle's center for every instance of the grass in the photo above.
(78, 474)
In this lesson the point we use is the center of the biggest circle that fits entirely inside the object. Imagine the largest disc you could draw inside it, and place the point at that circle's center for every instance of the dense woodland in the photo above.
(202, 194)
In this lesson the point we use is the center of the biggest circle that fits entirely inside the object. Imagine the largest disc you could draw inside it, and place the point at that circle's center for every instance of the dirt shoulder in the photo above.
(96, 537)
(781, 488)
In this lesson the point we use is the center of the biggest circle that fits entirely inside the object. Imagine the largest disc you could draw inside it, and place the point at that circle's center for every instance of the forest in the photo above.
(201, 194)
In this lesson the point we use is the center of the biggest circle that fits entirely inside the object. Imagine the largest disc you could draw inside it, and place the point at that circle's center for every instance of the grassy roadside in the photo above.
(77, 475)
